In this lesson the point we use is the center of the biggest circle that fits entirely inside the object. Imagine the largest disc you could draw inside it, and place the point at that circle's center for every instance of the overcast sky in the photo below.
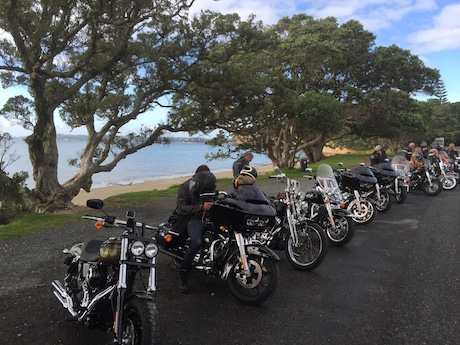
(428, 28)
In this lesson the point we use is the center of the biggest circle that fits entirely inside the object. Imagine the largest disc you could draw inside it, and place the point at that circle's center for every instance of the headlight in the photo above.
(151, 250)
(137, 248)
(257, 221)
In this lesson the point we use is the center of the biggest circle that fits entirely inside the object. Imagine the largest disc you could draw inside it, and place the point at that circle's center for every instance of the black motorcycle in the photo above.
(303, 241)
(324, 205)
(358, 185)
(229, 250)
(106, 286)
(422, 179)
(386, 178)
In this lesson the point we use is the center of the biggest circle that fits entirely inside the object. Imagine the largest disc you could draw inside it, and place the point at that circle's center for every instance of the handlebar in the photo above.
(112, 221)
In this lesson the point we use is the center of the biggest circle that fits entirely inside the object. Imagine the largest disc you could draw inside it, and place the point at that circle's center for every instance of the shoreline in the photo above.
(160, 184)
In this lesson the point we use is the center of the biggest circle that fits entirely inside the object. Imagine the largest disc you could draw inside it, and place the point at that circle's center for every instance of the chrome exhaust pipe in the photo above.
(63, 297)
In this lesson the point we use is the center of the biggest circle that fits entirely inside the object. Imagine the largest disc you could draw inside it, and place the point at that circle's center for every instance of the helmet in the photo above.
(423, 144)
(249, 170)
(418, 156)
(202, 182)
(433, 152)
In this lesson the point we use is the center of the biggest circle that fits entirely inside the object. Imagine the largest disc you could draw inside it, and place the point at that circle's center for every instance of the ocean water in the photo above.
(158, 161)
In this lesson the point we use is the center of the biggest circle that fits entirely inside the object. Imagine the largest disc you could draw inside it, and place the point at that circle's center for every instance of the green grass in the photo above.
(33, 223)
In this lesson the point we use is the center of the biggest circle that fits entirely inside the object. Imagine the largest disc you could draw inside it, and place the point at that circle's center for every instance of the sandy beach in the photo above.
(105, 192)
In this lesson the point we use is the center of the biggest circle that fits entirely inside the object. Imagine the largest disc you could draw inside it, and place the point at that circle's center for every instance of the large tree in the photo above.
(100, 64)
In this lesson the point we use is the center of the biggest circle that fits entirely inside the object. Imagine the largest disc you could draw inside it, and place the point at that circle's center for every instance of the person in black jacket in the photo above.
(408, 150)
(244, 160)
(376, 156)
(188, 212)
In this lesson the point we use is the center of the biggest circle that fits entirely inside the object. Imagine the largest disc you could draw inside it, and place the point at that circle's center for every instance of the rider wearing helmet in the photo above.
(247, 176)
(186, 218)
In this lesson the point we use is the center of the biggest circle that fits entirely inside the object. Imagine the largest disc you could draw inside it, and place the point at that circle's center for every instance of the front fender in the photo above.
(253, 249)
(342, 212)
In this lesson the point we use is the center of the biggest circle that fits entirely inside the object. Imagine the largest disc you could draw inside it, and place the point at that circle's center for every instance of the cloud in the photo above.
(444, 35)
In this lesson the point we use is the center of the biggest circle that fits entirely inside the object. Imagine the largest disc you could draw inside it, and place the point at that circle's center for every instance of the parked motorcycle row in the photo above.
(111, 284)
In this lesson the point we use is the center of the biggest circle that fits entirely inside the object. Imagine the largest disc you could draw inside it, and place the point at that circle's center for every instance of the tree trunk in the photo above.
(43, 153)
(314, 152)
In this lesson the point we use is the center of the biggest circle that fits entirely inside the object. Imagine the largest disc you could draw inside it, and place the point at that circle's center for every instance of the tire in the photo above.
(401, 195)
(384, 203)
(449, 183)
(262, 283)
(343, 232)
(141, 322)
(434, 189)
(312, 248)
(364, 215)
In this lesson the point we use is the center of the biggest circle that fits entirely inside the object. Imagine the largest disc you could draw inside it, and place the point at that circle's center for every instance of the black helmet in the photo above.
(202, 182)
(248, 170)
(423, 144)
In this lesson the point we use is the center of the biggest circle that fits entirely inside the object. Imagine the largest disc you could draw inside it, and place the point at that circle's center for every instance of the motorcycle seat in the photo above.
(91, 251)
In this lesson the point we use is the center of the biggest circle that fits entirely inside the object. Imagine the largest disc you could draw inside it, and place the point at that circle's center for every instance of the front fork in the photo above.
(242, 248)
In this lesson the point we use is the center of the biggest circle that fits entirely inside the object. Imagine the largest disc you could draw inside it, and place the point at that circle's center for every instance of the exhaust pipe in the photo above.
(63, 297)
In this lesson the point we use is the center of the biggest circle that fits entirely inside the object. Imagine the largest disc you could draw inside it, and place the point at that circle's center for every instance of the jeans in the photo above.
(195, 230)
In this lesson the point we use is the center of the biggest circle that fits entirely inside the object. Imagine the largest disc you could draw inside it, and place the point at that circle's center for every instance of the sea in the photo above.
(155, 162)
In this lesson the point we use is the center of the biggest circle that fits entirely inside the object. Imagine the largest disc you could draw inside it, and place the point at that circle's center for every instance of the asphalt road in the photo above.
(396, 282)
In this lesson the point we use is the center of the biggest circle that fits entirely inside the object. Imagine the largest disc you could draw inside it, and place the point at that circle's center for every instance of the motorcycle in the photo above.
(422, 179)
(100, 290)
(401, 184)
(386, 178)
(303, 241)
(324, 205)
(357, 185)
(229, 250)
(439, 169)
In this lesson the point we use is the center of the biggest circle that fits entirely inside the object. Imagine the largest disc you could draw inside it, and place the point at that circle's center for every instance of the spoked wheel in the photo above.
(255, 287)
(401, 195)
(311, 248)
(141, 322)
(342, 233)
(449, 183)
(383, 204)
(434, 189)
(364, 214)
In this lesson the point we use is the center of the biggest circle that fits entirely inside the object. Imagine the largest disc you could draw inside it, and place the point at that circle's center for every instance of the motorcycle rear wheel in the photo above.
(141, 322)
(434, 189)
(311, 249)
(343, 232)
(259, 285)
(364, 215)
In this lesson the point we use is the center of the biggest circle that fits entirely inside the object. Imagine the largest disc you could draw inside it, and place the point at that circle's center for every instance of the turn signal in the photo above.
(99, 225)
(168, 238)
(223, 229)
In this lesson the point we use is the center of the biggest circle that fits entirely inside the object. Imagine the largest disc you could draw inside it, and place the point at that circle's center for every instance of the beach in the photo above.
(105, 192)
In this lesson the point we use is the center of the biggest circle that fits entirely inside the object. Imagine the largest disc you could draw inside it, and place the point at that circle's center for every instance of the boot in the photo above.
(183, 286)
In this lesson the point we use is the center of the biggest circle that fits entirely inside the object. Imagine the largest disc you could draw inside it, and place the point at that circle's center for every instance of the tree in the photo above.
(106, 61)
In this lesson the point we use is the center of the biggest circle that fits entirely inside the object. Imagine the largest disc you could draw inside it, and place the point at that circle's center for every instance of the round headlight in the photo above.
(151, 250)
(137, 248)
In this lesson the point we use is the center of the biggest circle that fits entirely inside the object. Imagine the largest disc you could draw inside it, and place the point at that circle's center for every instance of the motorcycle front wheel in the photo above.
(384, 203)
(342, 233)
(311, 248)
(401, 195)
(449, 183)
(141, 322)
(255, 287)
(434, 189)
(364, 214)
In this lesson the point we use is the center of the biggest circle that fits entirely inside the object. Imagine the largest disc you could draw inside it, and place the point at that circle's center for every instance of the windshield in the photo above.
(400, 163)
(325, 178)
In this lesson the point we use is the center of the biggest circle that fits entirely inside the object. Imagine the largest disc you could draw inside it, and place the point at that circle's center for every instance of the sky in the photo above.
(430, 29)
